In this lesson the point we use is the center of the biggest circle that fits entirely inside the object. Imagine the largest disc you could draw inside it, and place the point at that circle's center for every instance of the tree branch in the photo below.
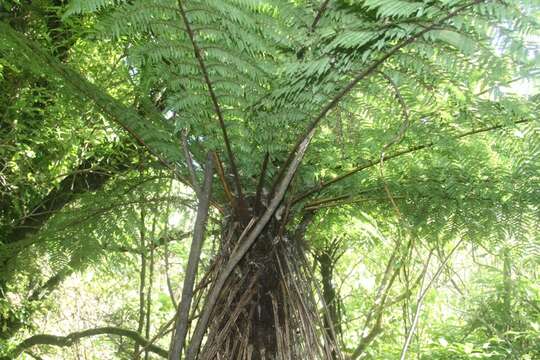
(33, 355)
(396, 140)
(215, 102)
(393, 267)
(177, 340)
(260, 184)
(405, 114)
(189, 161)
(421, 296)
(68, 340)
(319, 15)
(374, 162)
(359, 77)
(221, 174)
(81, 181)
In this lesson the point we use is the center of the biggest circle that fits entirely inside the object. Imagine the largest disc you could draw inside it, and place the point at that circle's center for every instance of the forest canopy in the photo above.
(269, 179)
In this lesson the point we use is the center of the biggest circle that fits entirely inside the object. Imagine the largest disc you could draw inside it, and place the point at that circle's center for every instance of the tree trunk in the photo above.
(266, 310)
(507, 287)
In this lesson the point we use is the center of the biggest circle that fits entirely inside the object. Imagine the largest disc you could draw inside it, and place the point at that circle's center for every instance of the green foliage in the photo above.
(104, 88)
(492, 330)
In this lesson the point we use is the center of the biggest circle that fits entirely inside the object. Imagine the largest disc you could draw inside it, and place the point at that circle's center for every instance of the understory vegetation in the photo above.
(269, 179)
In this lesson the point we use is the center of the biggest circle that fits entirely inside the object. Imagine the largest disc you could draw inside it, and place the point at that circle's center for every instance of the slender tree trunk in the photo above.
(332, 321)
(199, 230)
(142, 278)
(149, 300)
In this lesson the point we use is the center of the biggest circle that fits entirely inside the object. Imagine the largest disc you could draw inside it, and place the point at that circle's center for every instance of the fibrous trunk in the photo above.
(268, 309)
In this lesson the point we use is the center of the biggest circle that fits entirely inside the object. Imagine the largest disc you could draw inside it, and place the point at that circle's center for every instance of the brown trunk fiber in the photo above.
(267, 309)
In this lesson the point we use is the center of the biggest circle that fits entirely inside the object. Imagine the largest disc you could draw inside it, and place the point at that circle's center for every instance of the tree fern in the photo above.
(374, 118)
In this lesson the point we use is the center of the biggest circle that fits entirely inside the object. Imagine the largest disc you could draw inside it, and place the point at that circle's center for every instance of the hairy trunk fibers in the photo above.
(268, 309)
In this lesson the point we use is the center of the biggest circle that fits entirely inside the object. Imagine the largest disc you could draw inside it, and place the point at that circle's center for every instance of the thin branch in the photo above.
(166, 257)
(407, 293)
(224, 183)
(181, 200)
(396, 140)
(163, 330)
(52, 283)
(333, 199)
(177, 340)
(391, 272)
(359, 77)
(261, 182)
(375, 312)
(35, 356)
(374, 162)
(450, 272)
(405, 114)
(421, 296)
(168, 278)
(163, 240)
(68, 340)
(352, 201)
(142, 272)
(149, 290)
(504, 83)
(319, 15)
(213, 97)
(189, 161)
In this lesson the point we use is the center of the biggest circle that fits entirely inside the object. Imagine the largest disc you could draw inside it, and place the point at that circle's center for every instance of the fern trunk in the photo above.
(267, 310)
